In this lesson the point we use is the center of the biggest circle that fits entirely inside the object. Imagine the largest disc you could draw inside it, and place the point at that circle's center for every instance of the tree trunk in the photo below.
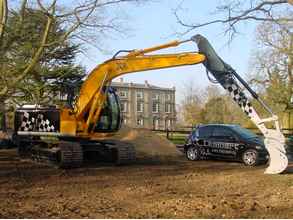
(3, 17)
(3, 116)
(290, 67)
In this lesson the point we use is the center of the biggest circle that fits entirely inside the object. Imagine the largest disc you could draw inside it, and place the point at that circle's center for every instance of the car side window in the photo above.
(223, 133)
(205, 132)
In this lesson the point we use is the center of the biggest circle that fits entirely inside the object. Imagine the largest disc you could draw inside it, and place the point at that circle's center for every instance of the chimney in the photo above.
(121, 80)
(146, 83)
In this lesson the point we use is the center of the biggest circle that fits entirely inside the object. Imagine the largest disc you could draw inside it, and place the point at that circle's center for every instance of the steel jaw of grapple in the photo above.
(225, 75)
(275, 145)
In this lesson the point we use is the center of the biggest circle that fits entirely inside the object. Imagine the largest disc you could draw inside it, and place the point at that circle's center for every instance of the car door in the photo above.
(203, 139)
(223, 143)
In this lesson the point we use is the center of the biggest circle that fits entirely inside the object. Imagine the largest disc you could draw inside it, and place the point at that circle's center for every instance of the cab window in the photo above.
(110, 119)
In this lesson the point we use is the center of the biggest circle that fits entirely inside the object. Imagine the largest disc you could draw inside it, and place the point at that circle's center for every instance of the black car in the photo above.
(223, 141)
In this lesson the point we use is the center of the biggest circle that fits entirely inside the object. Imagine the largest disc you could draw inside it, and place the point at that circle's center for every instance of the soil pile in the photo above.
(147, 143)
(3, 135)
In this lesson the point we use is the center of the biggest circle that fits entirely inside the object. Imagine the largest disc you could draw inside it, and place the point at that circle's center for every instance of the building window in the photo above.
(139, 106)
(168, 124)
(168, 108)
(139, 122)
(155, 107)
(139, 95)
(155, 96)
(156, 123)
(168, 97)
(124, 107)
(123, 94)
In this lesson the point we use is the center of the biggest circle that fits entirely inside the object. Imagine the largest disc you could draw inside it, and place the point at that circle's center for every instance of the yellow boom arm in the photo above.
(92, 95)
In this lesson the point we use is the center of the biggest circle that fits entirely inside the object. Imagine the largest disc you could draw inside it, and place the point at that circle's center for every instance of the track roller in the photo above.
(124, 152)
(70, 155)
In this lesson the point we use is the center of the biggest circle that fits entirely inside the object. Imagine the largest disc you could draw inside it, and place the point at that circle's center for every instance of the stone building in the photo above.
(146, 106)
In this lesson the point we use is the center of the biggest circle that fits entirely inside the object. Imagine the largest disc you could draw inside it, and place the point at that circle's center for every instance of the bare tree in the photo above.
(234, 12)
(273, 61)
(209, 105)
(192, 104)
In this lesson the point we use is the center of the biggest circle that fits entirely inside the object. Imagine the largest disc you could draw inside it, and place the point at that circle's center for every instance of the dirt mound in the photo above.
(147, 142)
(3, 135)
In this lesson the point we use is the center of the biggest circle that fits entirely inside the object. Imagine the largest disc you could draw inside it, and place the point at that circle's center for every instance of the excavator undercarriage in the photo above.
(73, 154)
(39, 138)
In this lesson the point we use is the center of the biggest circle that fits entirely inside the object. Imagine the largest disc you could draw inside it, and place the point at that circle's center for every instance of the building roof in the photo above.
(146, 85)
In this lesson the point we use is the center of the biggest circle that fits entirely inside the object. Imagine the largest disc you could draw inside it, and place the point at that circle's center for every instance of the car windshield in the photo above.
(245, 133)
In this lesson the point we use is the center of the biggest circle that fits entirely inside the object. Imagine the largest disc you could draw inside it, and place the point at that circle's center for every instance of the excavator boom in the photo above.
(92, 94)
(113, 68)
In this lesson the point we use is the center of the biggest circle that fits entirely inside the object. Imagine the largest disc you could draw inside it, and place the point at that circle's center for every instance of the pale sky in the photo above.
(155, 23)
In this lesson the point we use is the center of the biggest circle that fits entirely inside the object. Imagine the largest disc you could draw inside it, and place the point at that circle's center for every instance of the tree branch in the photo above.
(34, 60)
(264, 7)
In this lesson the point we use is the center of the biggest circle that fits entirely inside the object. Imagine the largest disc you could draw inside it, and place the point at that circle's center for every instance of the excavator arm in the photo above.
(230, 80)
(93, 92)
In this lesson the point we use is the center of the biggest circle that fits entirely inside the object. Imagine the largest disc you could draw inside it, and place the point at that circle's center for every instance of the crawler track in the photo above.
(66, 155)
(70, 154)
(125, 153)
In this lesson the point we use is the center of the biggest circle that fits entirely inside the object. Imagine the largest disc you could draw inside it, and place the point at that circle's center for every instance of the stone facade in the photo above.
(146, 106)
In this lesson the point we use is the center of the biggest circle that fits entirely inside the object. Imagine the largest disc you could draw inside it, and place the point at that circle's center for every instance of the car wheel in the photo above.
(250, 157)
(192, 153)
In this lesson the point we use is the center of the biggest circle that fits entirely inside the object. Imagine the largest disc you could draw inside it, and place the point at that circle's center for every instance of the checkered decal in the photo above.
(44, 124)
(240, 98)
(29, 123)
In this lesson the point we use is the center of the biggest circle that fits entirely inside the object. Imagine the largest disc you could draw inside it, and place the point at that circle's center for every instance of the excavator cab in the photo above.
(110, 119)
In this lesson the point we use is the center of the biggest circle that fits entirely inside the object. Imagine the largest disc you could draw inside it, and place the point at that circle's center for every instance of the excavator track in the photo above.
(43, 155)
(126, 155)
(66, 155)
(70, 155)
(124, 152)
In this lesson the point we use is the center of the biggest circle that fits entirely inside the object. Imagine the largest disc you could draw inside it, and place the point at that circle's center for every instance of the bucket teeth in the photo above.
(278, 159)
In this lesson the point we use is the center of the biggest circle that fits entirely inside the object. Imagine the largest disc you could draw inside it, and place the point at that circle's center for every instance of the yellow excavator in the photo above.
(65, 136)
